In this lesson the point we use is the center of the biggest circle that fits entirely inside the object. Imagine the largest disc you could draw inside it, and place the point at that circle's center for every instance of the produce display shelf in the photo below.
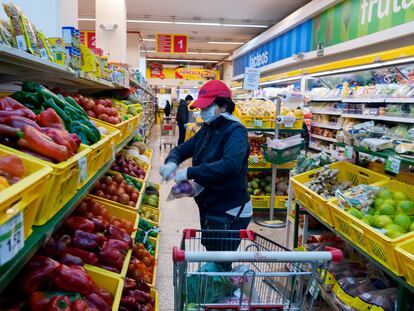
(363, 100)
(384, 154)
(332, 140)
(40, 234)
(327, 112)
(401, 281)
(326, 125)
(380, 118)
(134, 83)
(326, 99)
(293, 131)
(16, 65)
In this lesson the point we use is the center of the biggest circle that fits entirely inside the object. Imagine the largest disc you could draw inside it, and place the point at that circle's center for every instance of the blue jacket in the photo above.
(220, 152)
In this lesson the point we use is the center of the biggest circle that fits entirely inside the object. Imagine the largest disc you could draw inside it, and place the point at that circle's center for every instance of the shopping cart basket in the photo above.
(265, 277)
(167, 133)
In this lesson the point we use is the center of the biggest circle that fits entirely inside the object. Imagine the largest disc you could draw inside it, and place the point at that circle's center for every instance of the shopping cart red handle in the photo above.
(332, 254)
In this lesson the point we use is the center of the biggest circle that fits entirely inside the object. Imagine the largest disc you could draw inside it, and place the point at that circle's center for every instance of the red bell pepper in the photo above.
(49, 118)
(9, 104)
(109, 268)
(117, 234)
(97, 237)
(111, 257)
(56, 245)
(130, 303)
(37, 141)
(98, 302)
(68, 259)
(12, 165)
(20, 122)
(38, 301)
(78, 222)
(106, 295)
(129, 283)
(38, 272)
(37, 155)
(139, 296)
(87, 257)
(59, 303)
(72, 279)
(60, 139)
(80, 305)
(9, 131)
(118, 245)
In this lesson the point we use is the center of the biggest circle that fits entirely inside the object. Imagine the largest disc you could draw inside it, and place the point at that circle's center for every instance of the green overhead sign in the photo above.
(351, 19)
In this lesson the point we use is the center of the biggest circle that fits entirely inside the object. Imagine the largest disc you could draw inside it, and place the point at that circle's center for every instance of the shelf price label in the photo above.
(349, 152)
(113, 151)
(393, 165)
(11, 238)
(258, 123)
(286, 120)
(82, 165)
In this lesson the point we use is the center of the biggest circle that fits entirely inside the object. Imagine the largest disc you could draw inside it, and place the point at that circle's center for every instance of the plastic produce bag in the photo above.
(385, 298)
(186, 188)
(214, 288)
(360, 198)
(244, 282)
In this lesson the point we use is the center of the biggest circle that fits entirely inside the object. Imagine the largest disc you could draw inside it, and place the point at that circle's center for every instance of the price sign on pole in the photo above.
(393, 165)
(11, 238)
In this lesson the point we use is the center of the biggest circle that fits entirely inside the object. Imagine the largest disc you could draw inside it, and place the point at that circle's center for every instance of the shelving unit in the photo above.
(332, 140)
(404, 289)
(379, 118)
(41, 234)
(327, 112)
(326, 125)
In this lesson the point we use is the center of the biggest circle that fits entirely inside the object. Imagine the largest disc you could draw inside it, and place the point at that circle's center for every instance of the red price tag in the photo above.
(91, 39)
(164, 43)
(180, 44)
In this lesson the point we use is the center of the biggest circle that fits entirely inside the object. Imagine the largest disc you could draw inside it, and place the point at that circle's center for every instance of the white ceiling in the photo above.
(262, 12)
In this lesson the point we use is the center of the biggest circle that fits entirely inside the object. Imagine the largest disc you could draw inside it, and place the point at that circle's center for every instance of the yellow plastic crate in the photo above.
(148, 153)
(26, 195)
(405, 257)
(377, 245)
(63, 183)
(154, 294)
(347, 172)
(125, 128)
(258, 161)
(263, 202)
(104, 149)
(114, 285)
(256, 121)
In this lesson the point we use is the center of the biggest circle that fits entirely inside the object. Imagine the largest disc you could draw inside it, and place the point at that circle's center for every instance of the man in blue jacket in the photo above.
(219, 151)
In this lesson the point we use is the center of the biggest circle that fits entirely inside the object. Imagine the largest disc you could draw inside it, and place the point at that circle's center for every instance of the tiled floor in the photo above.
(177, 215)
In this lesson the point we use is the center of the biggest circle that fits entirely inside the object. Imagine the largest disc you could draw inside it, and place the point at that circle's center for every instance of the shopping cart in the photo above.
(167, 133)
(265, 277)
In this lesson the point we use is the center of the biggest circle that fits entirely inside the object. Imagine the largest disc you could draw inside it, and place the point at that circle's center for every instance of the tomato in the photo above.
(100, 193)
(124, 184)
(116, 223)
(120, 191)
(82, 208)
(134, 196)
(91, 113)
(146, 261)
(118, 120)
(108, 111)
(112, 120)
(104, 117)
(132, 203)
(99, 109)
(147, 278)
(104, 187)
(105, 213)
(129, 189)
(108, 196)
(118, 179)
(88, 215)
(111, 189)
(101, 102)
(89, 104)
(97, 186)
(107, 180)
(115, 112)
(95, 209)
(115, 198)
(136, 274)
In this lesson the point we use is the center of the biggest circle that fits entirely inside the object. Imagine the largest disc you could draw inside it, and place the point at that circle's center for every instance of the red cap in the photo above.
(208, 93)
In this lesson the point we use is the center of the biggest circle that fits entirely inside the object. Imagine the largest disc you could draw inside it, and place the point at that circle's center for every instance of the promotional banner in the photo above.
(156, 70)
(351, 19)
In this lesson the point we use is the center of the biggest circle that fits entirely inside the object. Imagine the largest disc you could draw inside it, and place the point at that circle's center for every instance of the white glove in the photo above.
(167, 170)
(181, 175)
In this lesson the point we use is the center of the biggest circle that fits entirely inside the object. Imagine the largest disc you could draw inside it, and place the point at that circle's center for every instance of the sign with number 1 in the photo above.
(171, 43)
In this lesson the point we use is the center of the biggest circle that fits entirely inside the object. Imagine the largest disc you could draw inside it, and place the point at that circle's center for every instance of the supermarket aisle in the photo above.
(175, 216)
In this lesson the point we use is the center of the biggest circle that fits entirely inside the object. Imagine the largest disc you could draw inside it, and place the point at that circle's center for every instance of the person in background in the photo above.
(219, 151)
(182, 118)
(167, 109)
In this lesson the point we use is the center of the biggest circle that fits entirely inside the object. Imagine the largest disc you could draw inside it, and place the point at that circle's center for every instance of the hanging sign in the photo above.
(171, 43)
(88, 37)
(251, 79)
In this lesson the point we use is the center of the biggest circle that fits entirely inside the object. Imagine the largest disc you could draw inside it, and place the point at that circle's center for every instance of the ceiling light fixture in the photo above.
(149, 40)
(181, 60)
(245, 25)
(280, 81)
(207, 53)
(197, 24)
(225, 42)
(86, 19)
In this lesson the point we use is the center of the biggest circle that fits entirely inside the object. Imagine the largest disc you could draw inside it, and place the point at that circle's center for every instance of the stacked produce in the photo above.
(101, 109)
(43, 136)
(141, 266)
(12, 170)
(46, 284)
(118, 188)
(306, 163)
(136, 296)
(389, 211)
(325, 182)
(92, 236)
(256, 107)
(151, 195)
(129, 166)
(260, 184)
(149, 229)
(136, 151)
(149, 213)
(256, 147)
(75, 120)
